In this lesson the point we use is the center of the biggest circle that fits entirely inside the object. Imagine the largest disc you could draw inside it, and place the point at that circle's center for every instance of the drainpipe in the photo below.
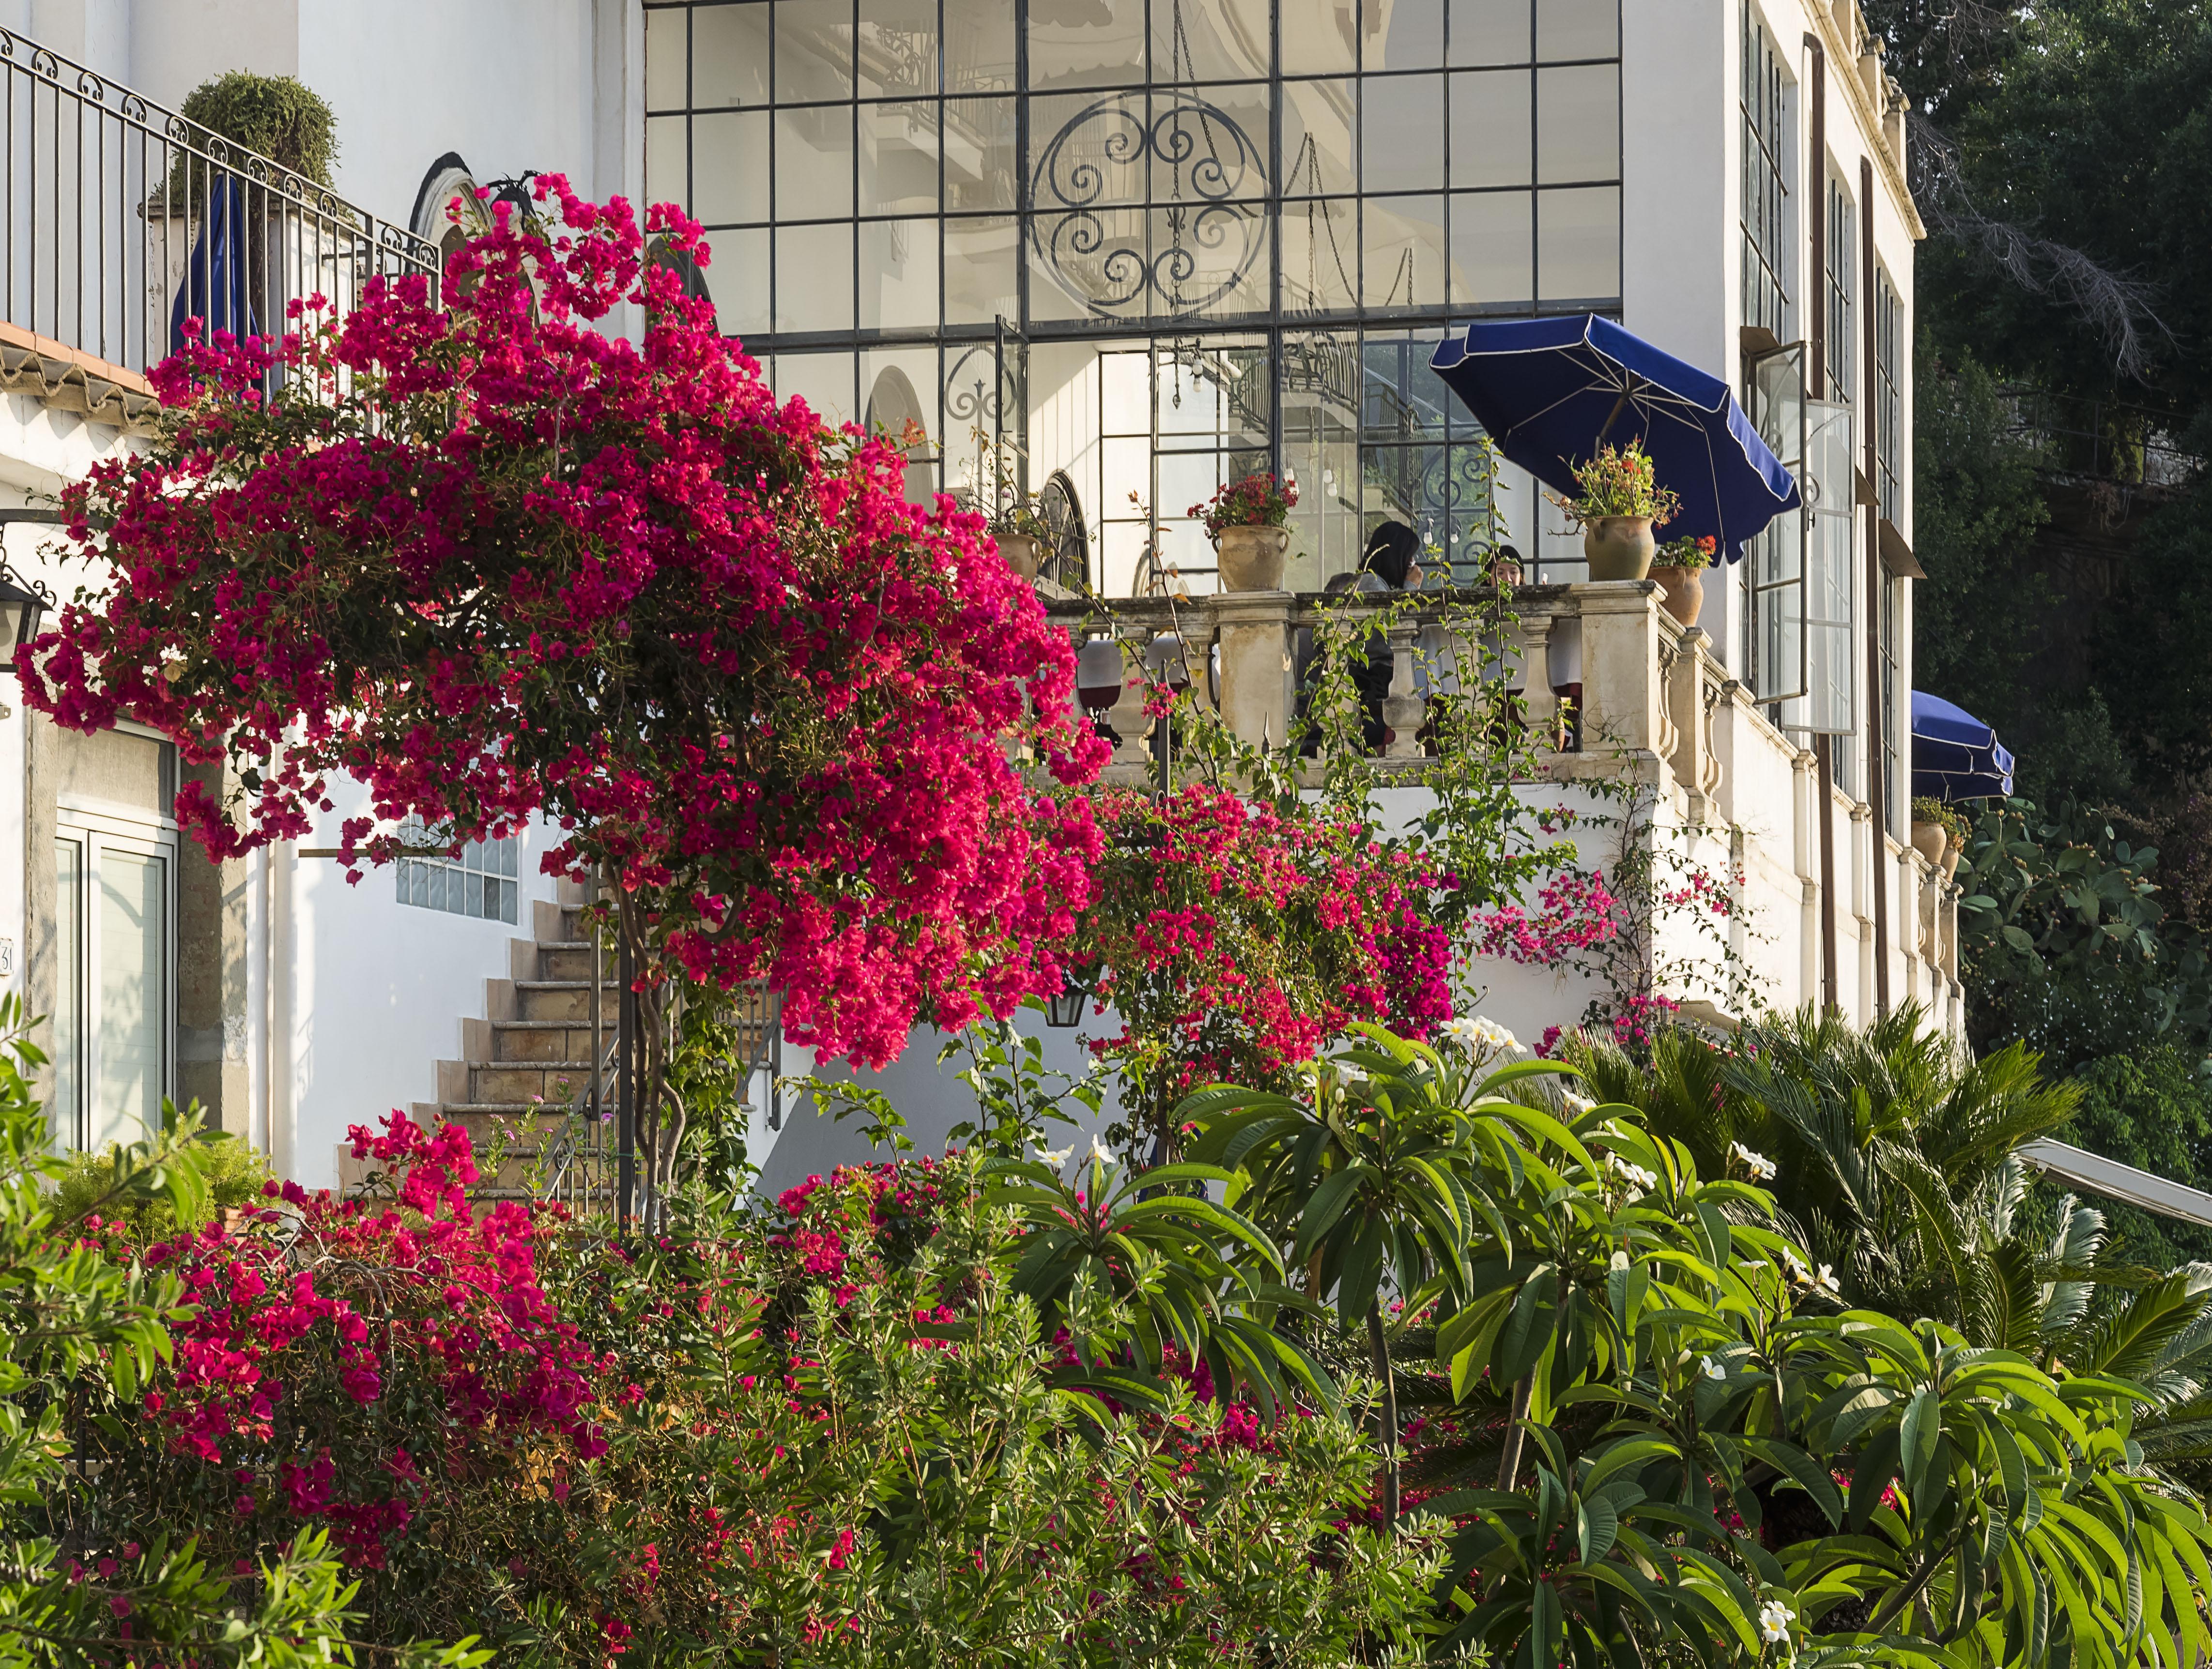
(1877, 750)
(1816, 377)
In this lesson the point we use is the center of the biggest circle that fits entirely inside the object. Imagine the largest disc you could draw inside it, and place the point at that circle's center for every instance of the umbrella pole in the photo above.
(1614, 416)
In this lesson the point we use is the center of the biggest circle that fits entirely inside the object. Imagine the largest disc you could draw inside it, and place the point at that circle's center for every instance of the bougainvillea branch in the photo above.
(498, 562)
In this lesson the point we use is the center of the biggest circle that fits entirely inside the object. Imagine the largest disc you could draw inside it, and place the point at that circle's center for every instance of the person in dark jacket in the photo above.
(1390, 564)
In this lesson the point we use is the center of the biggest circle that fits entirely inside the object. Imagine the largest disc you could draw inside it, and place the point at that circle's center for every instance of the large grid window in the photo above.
(874, 168)
(1766, 184)
(1839, 294)
(481, 882)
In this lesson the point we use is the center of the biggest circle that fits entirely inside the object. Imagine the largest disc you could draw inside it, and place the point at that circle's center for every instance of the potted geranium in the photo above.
(1619, 502)
(1246, 520)
(1939, 833)
(1680, 565)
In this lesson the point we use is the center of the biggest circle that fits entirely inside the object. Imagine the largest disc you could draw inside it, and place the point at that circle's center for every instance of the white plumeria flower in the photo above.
(1465, 1031)
(1761, 1168)
(1713, 1370)
(1099, 1153)
(1826, 1281)
(1774, 1618)
(1637, 1181)
(1496, 1035)
(1056, 1157)
(1575, 1104)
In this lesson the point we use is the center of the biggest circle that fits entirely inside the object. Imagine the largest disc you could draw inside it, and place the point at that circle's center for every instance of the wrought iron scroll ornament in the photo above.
(1204, 179)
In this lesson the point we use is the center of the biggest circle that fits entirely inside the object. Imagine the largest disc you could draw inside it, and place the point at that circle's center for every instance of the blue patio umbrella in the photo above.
(218, 278)
(1955, 756)
(1551, 391)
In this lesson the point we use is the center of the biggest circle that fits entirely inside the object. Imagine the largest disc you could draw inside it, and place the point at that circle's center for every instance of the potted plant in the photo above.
(1619, 502)
(1246, 520)
(1939, 833)
(1014, 521)
(1680, 565)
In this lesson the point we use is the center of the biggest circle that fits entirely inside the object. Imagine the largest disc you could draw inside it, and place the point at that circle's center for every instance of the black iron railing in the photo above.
(122, 219)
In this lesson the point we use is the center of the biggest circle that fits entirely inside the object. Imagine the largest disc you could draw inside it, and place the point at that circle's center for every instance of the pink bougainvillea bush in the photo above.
(1233, 943)
(821, 1430)
(495, 560)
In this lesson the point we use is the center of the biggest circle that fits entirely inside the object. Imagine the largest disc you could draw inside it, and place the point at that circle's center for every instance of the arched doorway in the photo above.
(892, 406)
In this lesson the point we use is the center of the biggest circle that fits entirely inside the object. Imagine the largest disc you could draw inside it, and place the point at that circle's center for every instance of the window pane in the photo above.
(665, 62)
(1414, 40)
(1578, 244)
(729, 55)
(1490, 133)
(1209, 143)
(1210, 257)
(1085, 264)
(1089, 150)
(979, 271)
(67, 1042)
(898, 274)
(1493, 247)
(1209, 40)
(814, 162)
(1401, 399)
(1401, 131)
(1321, 257)
(1319, 39)
(739, 281)
(980, 170)
(813, 49)
(1403, 239)
(134, 1001)
(825, 381)
(472, 894)
(900, 385)
(1319, 125)
(898, 158)
(896, 49)
(979, 46)
(1098, 43)
(729, 152)
(1577, 29)
(665, 173)
(814, 278)
(1491, 31)
(1577, 124)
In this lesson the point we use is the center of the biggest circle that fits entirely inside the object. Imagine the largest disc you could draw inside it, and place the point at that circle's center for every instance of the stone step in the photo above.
(554, 1041)
(556, 1000)
(500, 1082)
(572, 960)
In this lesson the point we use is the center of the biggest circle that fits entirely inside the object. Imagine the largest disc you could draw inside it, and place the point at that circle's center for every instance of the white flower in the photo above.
(1099, 1153)
(1760, 1166)
(1774, 1622)
(1619, 1260)
(1637, 1181)
(1713, 1370)
(1057, 1157)
(1826, 1281)
(1575, 1104)
(1465, 1031)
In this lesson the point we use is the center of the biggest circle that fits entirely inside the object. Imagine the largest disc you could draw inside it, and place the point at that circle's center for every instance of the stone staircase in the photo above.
(526, 1061)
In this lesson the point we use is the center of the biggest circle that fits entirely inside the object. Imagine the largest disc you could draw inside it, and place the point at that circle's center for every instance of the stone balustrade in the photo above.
(1609, 686)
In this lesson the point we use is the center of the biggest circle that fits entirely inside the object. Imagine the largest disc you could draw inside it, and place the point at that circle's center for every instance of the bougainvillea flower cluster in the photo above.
(420, 1287)
(1234, 942)
(497, 560)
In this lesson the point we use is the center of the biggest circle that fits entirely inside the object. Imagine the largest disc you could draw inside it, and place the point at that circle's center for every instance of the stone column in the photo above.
(1253, 635)
(1621, 691)
(1403, 706)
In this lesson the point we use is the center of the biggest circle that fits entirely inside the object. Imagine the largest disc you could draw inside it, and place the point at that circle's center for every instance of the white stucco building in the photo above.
(1140, 247)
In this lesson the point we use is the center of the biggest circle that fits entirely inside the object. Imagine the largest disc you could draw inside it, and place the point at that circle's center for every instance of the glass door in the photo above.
(114, 1024)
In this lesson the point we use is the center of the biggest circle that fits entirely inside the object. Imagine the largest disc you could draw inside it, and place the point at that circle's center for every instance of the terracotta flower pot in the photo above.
(1686, 592)
(1021, 552)
(1930, 842)
(1252, 558)
(1951, 856)
(1619, 546)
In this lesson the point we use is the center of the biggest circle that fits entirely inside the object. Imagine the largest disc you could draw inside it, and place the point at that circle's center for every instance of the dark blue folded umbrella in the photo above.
(218, 287)
(1955, 756)
(1551, 390)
